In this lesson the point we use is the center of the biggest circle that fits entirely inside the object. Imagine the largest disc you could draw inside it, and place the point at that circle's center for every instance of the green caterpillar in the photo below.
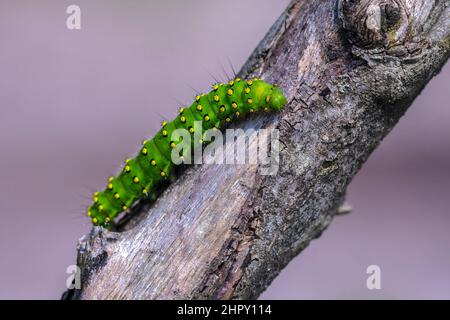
(142, 176)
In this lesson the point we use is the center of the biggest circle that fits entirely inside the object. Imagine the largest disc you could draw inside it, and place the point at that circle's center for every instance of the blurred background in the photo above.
(75, 103)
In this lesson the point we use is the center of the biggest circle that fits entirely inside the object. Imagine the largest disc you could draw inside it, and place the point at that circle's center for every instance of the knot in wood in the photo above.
(373, 23)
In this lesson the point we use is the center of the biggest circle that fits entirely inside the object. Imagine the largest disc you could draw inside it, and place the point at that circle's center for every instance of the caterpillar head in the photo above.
(277, 99)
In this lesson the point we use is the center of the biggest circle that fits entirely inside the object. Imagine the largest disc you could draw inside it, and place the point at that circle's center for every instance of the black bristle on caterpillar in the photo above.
(143, 176)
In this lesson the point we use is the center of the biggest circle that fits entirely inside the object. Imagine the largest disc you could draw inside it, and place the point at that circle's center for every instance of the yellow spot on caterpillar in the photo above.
(127, 169)
(237, 113)
(266, 109)
(144, 191)
(234, 105)
(222, 109)
(238, 79)
(110, 179)
(197, 98)
(215, 87)
(89, 213)
(172, 145)
(135, 179)
(231, 83)
(181, 110)
(251, 110)
(247, 90)
(107, 220)
(95, 199)
(230, 92)
(227, 119)
(164, 133)
(144, 151)
(94, 220)
(249, 101)
(200, 141)
(127, 160)
(110, 186)
(249, 82)
(206, 117)
(116, 196)
(100, 207)
(216, 98)
(163, 174)
(163, 124)
(191, 130)
(124, 207)
(183, 119)
(199, 107)
(144, 142)
(267, 99)
(153, 162)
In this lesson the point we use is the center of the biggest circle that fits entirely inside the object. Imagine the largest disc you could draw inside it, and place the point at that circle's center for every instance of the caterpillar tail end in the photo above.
(97, 218)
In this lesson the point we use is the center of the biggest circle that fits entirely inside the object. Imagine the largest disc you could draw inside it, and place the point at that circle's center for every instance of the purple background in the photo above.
(74, 104)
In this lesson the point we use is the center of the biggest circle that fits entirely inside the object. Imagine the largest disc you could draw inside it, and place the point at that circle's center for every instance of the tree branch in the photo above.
(350, 69)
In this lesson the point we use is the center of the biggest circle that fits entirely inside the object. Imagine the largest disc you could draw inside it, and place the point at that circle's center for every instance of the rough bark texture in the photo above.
(350, 69)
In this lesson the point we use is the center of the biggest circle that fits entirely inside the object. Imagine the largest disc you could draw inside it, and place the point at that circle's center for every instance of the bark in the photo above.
(350, 69)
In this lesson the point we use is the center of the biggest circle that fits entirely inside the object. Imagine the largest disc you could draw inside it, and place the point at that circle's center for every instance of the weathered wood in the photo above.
(350, 69)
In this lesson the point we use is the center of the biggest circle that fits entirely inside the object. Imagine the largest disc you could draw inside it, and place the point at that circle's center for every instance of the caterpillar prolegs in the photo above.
(141, 176)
